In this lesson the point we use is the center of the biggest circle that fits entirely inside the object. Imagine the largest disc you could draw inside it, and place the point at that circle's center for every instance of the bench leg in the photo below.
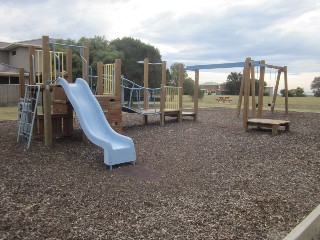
(275, 129)
(287, 127)
(246, 127)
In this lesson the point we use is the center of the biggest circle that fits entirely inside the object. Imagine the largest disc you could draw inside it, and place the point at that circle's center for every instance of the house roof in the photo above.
(210, 84)
(34, 42)
(4, 44)
(5, 68)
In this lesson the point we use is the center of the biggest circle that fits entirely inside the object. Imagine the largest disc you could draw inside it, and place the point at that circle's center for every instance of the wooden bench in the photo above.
(268, 123)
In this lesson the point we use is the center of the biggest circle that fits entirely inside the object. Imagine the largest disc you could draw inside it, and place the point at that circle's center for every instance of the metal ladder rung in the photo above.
(26, 115)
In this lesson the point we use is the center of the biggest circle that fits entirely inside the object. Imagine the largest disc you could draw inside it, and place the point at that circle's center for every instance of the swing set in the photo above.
(247, 83)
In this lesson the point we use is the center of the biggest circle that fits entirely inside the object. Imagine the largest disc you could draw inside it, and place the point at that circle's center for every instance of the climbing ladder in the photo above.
(27, 112)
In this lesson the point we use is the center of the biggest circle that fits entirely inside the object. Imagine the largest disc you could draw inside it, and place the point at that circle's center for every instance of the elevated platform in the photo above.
(274, 124)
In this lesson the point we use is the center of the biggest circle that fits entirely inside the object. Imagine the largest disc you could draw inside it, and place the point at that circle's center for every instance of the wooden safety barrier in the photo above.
(112, 109)
(62, 125)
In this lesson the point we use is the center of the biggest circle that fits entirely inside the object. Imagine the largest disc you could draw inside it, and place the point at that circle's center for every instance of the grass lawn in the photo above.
(297, 104)
(8, 113)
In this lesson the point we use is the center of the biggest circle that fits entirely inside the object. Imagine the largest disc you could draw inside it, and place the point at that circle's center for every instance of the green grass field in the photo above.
(297, 104)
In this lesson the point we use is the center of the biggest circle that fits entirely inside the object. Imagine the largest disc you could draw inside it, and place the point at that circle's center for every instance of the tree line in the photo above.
(233, 84)
(131, 50)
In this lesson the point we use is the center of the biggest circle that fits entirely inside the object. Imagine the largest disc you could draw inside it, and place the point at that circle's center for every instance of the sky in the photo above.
(283, 33)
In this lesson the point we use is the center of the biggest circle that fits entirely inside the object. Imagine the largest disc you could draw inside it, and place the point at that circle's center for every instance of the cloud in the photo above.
(186, 31)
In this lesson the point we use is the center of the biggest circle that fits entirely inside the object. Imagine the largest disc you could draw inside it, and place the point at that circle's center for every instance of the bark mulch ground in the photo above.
(195, 180)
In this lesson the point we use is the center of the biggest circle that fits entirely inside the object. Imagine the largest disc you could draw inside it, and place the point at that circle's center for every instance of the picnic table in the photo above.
(224, 99)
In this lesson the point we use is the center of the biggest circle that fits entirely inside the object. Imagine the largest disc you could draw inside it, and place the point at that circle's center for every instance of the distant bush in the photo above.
(298, 92)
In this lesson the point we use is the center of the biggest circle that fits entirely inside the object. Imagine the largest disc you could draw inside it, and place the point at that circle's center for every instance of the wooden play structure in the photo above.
(247, 83)
(56, 119)
(109, 92)
(164, 101)
(248, 80)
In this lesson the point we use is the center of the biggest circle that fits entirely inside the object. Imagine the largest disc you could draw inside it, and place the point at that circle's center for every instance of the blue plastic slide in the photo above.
(117, 148)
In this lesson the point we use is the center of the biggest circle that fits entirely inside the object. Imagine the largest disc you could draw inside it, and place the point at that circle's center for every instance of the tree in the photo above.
(188, 86)
(132, 51)
(298, 92)
(315, 86)
(101, 51)
(233, 83)
(188, 83)
(174, 74)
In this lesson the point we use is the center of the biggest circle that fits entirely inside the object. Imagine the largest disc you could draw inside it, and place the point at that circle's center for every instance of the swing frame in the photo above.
(248, 80)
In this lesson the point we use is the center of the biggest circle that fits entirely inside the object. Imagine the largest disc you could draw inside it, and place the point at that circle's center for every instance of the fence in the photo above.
(108, 78)
(172, 97)
(9, 94)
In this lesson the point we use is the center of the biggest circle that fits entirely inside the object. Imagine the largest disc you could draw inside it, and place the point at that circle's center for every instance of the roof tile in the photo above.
(9, 69)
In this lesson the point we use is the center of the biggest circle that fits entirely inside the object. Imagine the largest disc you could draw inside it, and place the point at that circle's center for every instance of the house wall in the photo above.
(20, 59)
(209, 88)
(4, 57)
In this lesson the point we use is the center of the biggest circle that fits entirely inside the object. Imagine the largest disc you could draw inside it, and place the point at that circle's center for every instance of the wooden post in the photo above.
(22, 83)
(261, 89)
(241, 92)
(246, 77)
(46, 91)
(195, 95)
(100, 78)
(32, 57)
(145, 84)
(162, 104)
(117, 79)
(253, 92)
(85, 64)
(85, 73)
(69, 65)
(286, 89)
(275, 92)
(180, 85)
(163, 92)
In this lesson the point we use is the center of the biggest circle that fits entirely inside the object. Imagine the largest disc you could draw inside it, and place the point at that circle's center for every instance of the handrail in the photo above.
(85, 63)
(53, 65)
(74, 46)
(135, 92)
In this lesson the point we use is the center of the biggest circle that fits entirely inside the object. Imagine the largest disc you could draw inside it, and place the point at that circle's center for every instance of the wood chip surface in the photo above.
(195, 180)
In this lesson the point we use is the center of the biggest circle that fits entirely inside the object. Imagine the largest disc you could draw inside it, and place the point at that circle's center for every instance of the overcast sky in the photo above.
(284, 33)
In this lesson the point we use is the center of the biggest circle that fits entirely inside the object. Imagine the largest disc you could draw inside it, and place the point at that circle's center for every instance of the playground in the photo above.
(220, 173)
(194, 180)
